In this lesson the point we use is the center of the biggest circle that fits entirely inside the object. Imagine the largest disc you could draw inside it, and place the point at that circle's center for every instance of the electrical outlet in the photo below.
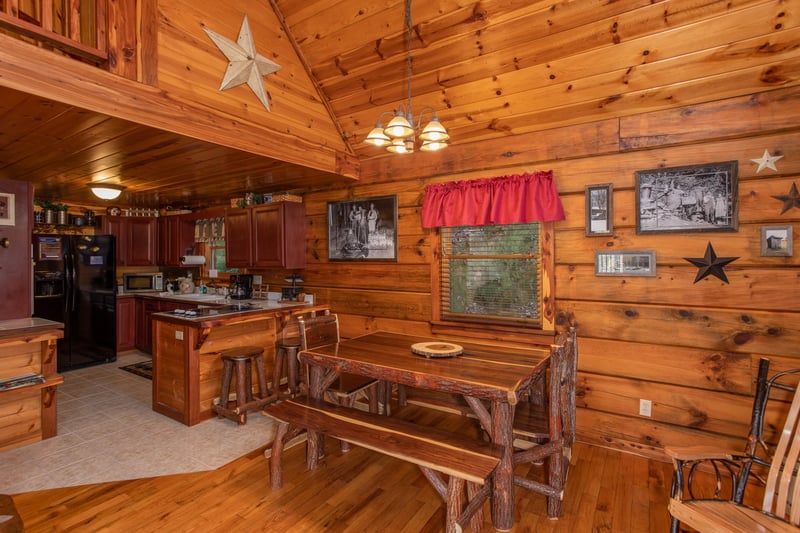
(256, 279)
(645, 407)
(179, 334)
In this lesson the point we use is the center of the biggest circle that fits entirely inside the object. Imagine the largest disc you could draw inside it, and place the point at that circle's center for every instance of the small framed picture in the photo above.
(7, 209)
(599, 209)
(776, 241)
(687, 199)
(627, 263)
(363, 230)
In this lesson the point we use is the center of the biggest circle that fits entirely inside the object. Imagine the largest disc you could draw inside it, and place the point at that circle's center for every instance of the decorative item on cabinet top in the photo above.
(209, 229)
(254, 199)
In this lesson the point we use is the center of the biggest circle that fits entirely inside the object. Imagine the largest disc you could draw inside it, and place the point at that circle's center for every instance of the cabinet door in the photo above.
(126, 324)
(238, 244)
(140, 249)
(175, 237)
(294, 234)
(279, 235)
(267, 236)
(116, 226)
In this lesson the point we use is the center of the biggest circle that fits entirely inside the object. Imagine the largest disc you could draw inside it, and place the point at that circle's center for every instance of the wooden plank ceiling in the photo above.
(490, 69)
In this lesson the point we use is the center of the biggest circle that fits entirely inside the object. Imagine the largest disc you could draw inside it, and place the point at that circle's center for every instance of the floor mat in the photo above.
(144, 369)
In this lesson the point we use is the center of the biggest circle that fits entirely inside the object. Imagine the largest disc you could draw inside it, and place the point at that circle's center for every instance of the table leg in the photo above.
(503, 490)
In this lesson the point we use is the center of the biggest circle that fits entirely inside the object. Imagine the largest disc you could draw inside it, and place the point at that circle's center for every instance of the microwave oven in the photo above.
(143, 282)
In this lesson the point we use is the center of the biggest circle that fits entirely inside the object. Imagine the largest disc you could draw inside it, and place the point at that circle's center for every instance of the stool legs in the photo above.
(285, 354)
(242, 365)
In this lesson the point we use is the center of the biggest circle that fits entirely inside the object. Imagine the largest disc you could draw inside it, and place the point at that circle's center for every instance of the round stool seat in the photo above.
(241, 353)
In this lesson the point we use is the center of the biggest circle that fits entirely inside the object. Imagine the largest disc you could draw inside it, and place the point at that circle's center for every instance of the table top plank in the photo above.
(484, 371)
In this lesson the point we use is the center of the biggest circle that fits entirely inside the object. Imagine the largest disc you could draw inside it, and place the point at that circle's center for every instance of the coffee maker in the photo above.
(241, 286)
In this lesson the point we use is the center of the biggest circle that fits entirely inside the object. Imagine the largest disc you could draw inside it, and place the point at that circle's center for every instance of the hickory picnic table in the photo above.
(483, 372)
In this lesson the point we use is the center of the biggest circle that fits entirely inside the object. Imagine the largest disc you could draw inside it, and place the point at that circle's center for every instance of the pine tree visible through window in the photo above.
(492, 274)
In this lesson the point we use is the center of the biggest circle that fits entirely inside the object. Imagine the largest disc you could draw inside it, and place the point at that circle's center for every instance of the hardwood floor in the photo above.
(353, 492)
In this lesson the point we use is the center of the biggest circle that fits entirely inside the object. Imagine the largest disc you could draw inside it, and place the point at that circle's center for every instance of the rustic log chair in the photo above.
(550, 424)
(780, 509)
(320, 331)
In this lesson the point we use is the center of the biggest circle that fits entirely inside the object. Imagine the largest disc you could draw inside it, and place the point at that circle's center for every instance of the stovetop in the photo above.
(211, 311)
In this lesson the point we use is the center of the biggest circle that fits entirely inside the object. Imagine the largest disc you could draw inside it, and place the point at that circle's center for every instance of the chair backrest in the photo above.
(563, 373)
(318, 331)
(782, 492)
(289, 332)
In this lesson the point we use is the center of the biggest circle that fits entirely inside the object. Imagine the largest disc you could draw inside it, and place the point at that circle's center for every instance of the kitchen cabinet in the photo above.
(135, 239)
(175, 236)
(145, 307)
(126, 323)
(266, 236)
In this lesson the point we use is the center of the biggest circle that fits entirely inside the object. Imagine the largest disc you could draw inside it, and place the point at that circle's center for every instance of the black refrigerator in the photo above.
(74, 282)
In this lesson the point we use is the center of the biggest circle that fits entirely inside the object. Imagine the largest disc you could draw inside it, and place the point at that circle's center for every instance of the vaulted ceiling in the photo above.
(490, 69)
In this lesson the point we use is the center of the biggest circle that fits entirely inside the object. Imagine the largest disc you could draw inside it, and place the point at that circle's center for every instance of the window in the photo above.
(494, 274)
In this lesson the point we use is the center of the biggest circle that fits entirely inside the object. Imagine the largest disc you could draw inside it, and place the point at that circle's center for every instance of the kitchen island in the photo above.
(28, 350)
(187, 370)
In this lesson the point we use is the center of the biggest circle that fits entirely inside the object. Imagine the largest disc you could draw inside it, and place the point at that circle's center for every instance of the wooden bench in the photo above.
(434, 451)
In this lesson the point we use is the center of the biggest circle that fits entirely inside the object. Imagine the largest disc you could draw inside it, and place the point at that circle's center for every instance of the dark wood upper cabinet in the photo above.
(266, 236)
(175, 237)
(135, 239)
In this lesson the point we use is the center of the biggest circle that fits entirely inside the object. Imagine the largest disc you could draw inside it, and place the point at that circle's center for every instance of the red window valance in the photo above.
(502, 200)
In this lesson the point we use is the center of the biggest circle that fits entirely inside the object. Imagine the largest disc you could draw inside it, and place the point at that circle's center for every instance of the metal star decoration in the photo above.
(245, 65)
(790, 200)
(766, 161)
(710, 265)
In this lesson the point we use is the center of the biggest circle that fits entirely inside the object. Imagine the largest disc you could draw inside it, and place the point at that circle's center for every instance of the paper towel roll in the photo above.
(193, 260)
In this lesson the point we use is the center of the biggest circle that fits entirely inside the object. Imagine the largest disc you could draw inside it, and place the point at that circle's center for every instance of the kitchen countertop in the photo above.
(205, 315)
(19, 326)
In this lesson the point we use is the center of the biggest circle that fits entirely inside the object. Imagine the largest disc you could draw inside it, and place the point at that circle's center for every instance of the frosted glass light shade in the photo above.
(434, 131)
(376, 137)
(106, 191)
(432, 146)
(399, 128)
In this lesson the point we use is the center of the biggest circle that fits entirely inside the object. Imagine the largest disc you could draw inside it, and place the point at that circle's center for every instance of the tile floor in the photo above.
(107, 431)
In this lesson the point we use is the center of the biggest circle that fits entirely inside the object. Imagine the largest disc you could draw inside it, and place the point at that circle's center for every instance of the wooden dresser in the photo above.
(28, 413)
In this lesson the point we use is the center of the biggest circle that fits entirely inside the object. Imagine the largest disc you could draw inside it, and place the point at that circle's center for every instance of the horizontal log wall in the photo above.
(690, 348)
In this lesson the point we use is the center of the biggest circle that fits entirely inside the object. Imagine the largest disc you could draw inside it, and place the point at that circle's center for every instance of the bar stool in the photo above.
(241, 359)
(286, 355)
(286, 349)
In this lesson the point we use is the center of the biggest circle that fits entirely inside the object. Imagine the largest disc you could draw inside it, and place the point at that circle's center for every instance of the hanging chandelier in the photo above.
(401, 133)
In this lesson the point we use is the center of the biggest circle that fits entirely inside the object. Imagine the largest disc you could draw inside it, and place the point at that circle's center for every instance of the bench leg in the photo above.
(276, 459)
(476, 520)
(454, 502)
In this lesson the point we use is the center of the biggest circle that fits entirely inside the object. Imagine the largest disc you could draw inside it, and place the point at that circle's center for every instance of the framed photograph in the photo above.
(776, 240)
(6, 209)
(687, 199)
(599, 209)
(627, 263)
(363, 230)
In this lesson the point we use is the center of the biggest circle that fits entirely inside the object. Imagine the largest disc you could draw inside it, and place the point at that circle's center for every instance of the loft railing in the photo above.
(75, 27)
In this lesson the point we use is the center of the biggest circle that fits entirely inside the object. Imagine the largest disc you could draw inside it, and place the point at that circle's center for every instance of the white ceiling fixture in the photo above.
(401, 133)
(106, 191)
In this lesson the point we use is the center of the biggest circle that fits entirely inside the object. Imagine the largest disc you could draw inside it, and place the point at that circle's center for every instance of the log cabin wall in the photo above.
(690, 348)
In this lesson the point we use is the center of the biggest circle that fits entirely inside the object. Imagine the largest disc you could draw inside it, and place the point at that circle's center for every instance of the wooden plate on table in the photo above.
(437, 349)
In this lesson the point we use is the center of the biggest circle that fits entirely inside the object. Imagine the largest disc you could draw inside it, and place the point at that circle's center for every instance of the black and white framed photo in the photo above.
(363, 229)
(7, 209)
(627, 263)
(776, 241)
(693, 198)
(599, 209)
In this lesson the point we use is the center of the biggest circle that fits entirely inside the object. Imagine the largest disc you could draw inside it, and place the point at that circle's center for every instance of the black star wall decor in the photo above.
(790, 200)
(711, 265)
